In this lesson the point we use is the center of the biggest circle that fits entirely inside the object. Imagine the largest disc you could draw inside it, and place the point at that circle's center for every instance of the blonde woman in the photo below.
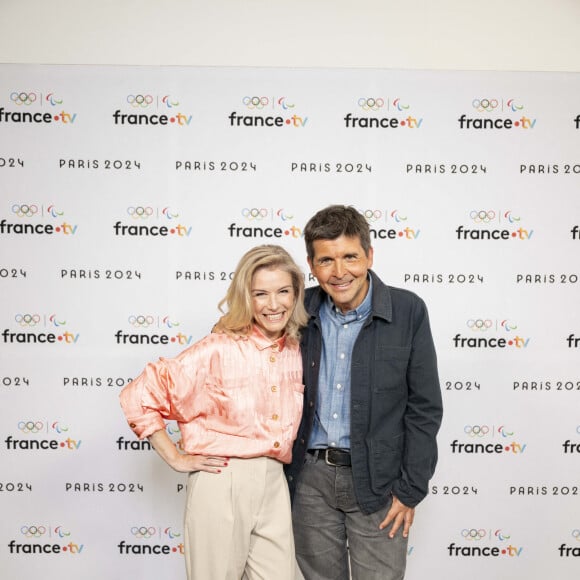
(237, 396)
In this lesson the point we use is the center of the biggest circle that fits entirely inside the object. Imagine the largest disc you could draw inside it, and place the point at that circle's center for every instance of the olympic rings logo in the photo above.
(371, 104)
(473, 534)
(482, 216)
(255, 213)
(484, 104)
(143, 532)
(33, 531)
(27, 319)
(576, 534)
(24, 210)
(372, 215)
(140, 212)
(142, 101)
(256, 102)
(142, 321)
(30, 426)
(23, 98)
(479, 324)
(476, 430)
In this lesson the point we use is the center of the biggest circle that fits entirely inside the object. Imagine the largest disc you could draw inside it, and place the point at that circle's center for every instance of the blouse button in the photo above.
(272, 359)
(275, 417)
(274, 388)
(276, 444)
(132, 425)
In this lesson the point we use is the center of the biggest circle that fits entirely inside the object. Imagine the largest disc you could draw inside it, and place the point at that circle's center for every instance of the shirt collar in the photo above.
(262, 342)
(359, 313)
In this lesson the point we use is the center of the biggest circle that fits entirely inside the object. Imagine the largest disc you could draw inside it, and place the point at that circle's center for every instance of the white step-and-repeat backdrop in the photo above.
(127, 195)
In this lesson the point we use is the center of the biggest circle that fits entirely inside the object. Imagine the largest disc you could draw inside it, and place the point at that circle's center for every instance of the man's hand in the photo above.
(399, 514)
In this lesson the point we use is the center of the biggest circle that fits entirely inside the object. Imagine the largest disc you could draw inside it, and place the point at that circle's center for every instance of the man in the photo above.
(366, 446)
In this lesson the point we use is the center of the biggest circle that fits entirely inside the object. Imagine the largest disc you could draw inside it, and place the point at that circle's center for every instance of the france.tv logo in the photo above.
(273, 112)
(152, 540)
(488, 439)
(158, 330)
(369, 106)
(141, 106)
(41, 539)
(42, 435)
(35, 219)
(494, 225)
(30, 322)
(263, 222)
(148, 221)
(496, 113)
(31, 107)
(482, 542)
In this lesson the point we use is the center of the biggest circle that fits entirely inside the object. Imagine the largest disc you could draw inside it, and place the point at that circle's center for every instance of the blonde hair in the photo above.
(239, 317)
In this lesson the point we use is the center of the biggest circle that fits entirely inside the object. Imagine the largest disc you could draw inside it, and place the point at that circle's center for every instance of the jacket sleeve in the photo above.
(423, 414)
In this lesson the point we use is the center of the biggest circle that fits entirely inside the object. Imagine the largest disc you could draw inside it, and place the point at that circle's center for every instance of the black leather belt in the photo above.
(334, 457)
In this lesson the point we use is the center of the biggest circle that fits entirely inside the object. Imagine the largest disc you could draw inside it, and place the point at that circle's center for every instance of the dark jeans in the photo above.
(333, 536)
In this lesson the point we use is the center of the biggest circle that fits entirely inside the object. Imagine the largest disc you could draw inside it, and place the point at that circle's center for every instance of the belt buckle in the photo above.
(327, 460)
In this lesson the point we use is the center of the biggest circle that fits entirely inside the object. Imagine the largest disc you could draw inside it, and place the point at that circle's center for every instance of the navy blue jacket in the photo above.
(396, 406)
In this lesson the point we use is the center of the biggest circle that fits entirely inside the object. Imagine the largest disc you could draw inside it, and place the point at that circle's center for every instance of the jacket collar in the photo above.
(382, 304)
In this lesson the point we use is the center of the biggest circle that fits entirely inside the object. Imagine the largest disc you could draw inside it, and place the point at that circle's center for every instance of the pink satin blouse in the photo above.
(232, 397)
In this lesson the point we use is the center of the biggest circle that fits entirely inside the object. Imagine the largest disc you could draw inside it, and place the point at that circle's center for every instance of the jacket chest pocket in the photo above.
(390, 367)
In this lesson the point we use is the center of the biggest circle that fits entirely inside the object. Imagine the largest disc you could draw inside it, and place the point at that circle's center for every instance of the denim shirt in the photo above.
(339, 332)
(395, 405)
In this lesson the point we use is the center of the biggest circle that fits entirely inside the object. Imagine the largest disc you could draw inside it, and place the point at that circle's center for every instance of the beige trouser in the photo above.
(238, 524)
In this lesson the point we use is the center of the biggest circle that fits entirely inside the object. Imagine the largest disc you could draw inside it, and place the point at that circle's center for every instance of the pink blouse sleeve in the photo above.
(165, 390)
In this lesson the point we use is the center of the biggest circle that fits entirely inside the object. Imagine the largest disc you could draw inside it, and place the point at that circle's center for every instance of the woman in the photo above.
(237, 396)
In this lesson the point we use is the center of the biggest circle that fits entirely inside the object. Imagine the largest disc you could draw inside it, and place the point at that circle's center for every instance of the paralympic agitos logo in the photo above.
(147, 221)
(36, 219)
(37, 538)
(486, 543)
(496, 113)
(270, 112)
(491, 333)
(55, 330)
(37, 108)
(376, 112)
(139, 107)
